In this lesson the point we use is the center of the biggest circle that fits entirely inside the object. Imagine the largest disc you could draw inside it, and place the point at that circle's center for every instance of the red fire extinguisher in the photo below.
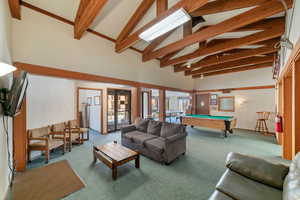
(278, 124)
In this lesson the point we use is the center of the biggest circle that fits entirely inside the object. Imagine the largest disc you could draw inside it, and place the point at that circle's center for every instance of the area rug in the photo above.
(50, 182)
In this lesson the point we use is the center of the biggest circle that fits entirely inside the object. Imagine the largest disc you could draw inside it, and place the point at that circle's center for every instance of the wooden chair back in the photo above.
(38, 132)
(73, 123)
(263, 115)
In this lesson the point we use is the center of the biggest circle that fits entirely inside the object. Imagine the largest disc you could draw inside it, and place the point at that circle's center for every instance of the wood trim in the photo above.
(225, 5)
(226, 97)
(140, 12)
(188, 5)
(66, 21)
(135, 100)
(162, 105)
(86, 15)
(20, 137)
(161, 6)
(228, 45)
(237, 63)
(237, 89)
(288, 66)
(258, 13)
(101, 114)
(15, 8)
(232, 70)
(219, 59)
(287, 119)
(296, 107)
(54, 72)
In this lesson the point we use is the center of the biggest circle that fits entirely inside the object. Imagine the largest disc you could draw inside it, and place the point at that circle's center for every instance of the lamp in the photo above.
(169, 23)
(6, 69)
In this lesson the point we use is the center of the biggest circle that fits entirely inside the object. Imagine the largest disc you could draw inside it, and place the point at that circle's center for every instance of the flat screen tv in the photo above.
(16, 95)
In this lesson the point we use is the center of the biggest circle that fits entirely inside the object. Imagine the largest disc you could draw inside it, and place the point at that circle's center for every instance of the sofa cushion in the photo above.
(155, 145)
(258, 169)
(131, 134)
(219, 196)
(140, 138)
(240, 187)
(169, 129)
(154, 127)
(142, 125)
(291, 186)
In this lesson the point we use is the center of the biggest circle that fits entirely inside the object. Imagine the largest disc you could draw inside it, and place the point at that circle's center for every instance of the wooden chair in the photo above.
(42, 139)
(63, 128)
(261, 125)
(76, 129)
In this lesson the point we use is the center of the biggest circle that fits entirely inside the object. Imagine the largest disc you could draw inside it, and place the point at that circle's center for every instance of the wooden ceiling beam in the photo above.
(15, 8)
(161, 6)
(237, 63)
(87, 12)
(232, 44)
(261, 25)
(140, 12)
(225, 5)
(260, 12)
(188, 5)
(219, 59)
(239, 69)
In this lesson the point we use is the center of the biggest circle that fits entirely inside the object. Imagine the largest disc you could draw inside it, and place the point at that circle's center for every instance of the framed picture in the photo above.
(226, 104)
(213, 99)
(96, 100)
(89, 100)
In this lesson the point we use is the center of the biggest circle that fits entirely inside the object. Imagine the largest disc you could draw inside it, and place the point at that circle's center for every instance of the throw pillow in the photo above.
(142, 125)
(154, 127)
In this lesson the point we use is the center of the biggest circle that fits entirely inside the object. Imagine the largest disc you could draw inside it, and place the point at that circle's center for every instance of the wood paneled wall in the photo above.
(289, 104)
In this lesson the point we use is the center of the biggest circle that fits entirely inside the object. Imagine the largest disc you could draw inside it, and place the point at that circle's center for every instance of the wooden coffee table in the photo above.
(114, 155)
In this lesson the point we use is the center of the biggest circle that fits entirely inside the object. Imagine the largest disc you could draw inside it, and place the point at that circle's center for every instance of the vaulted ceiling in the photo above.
(224, 36)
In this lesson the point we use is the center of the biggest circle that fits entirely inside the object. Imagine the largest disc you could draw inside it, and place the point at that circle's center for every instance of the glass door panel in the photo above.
(119, 109)
(111, 111)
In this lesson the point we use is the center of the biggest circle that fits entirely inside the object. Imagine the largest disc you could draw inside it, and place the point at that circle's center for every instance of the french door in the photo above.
(119, 109)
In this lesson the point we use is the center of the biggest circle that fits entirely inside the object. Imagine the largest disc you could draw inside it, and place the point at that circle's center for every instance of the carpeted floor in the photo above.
(192, 176)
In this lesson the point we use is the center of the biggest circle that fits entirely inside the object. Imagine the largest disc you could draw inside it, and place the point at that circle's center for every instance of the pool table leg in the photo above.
(225, 134)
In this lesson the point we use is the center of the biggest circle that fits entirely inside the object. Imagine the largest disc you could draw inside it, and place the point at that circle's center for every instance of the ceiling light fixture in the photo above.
(188, 65)
(6, 69)
(169, 23)
(202, 76)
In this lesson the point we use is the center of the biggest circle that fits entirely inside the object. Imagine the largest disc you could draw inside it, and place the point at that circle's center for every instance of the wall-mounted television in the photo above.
(15, 95)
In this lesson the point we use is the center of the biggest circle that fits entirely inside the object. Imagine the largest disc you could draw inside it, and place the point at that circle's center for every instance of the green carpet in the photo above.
(192, 176)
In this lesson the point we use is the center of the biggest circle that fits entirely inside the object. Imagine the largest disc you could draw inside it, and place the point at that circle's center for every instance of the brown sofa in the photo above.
(160, 141)
(250, 178)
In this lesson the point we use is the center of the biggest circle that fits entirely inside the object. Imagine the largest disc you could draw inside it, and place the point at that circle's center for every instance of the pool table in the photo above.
(224, 123)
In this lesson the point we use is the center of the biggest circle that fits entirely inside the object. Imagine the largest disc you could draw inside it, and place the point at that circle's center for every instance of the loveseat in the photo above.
(160, 141)
(251, 178)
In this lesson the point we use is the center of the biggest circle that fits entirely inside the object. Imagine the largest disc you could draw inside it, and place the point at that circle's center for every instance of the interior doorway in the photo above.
(90, 108)
(119, 109)
(202, 104)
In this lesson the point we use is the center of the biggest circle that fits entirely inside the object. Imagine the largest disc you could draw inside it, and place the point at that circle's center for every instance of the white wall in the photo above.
(293, 28)
(39, 39)
(5, 52)
(49, 101)
(247, 102)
